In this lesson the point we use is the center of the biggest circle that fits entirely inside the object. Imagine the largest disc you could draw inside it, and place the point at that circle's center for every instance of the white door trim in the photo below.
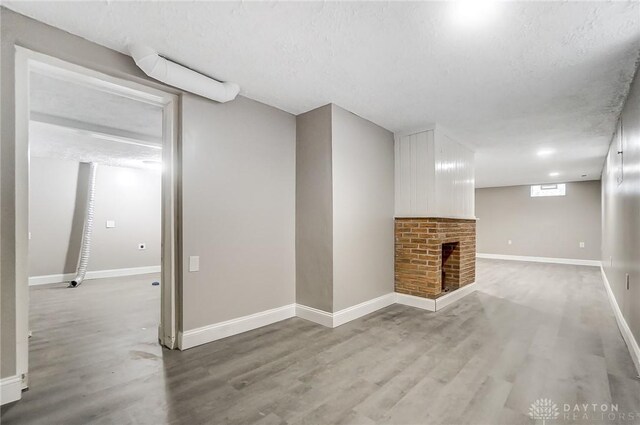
(27, 61)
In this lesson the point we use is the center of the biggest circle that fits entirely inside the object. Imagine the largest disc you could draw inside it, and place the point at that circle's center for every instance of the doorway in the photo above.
(30, 64)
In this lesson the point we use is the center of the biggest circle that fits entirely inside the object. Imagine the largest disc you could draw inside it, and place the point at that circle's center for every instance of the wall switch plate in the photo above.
(509, 241)
(111, 224)
(29, 235)
(194, 263)
(142, 245)
(581, 244)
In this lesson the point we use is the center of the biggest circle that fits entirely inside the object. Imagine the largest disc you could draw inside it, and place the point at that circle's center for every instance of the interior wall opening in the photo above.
(96, 246)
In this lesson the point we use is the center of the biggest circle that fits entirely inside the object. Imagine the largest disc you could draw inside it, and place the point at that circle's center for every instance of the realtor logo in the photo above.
(543, 409)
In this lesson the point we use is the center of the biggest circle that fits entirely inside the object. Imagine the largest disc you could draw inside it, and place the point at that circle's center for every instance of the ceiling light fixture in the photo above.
(554, 174)
(473, 13)
(545, 152)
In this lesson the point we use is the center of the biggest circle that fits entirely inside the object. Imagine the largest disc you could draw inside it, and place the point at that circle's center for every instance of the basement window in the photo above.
(548, 190)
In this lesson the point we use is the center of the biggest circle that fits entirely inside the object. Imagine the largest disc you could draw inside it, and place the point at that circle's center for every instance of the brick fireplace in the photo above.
(434, 255)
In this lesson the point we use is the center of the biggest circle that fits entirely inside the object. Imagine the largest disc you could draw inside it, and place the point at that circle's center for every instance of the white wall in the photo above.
(129, 196)
(434, 176)
(363, 193)
(238, 209)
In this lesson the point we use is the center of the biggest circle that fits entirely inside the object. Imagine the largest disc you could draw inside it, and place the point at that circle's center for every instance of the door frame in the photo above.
(28, 61)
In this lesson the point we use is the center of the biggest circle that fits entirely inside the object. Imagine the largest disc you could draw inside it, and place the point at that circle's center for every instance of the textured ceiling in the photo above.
(81, 123)
(52, 96)
(539, 75)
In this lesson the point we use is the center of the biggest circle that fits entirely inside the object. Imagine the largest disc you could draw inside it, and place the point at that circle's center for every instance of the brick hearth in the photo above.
(419, 254)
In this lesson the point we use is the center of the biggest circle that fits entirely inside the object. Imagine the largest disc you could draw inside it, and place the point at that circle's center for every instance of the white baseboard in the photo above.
(572, 261)
(97, 274)
(454, 296)
(210, 333)
(435, 304)
(354, 312)
(629, 339)
(320, 317)
(10, 389)
(333, 320)
(428, 304)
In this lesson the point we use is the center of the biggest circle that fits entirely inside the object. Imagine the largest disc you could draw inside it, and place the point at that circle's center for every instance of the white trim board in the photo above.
(210, 333)
(333, 320)
(627, 335)
(354, 312)
(10, 389)
(436, 304)
(572, 261)
(311, 314)
(97, 274)
(216, 331)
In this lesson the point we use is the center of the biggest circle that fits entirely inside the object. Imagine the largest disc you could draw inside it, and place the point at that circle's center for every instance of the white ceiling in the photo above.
(540, 75)
(81, 123)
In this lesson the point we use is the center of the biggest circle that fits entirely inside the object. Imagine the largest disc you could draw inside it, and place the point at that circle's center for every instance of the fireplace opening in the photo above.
(450, 266)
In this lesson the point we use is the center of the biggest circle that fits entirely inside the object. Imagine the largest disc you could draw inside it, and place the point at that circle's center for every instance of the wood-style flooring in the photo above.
(530, 331)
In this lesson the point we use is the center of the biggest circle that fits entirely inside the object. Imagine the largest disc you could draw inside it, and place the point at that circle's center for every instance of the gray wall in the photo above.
(129, 196)
(344, 212)
(221, 137)
(238, 203)
(540, 227)
(363, 208)
(314, 210)
(621, 214)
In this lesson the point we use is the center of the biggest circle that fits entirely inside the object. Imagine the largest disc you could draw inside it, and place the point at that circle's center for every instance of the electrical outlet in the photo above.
(581, 244)
(142, 246)
(509, 241)
(110, 224)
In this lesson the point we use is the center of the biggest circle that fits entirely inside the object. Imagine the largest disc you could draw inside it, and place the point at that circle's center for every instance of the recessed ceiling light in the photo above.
(545, 152)
(554, 174)
(473, 13)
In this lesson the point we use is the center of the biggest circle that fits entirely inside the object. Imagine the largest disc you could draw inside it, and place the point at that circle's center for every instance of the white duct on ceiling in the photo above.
(173, 74)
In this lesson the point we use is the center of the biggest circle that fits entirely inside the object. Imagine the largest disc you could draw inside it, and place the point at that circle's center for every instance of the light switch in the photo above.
(194, 263)
(581, 244)
(111, 224)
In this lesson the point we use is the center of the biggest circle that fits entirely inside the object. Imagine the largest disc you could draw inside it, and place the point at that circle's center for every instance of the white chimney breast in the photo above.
(434, 176)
